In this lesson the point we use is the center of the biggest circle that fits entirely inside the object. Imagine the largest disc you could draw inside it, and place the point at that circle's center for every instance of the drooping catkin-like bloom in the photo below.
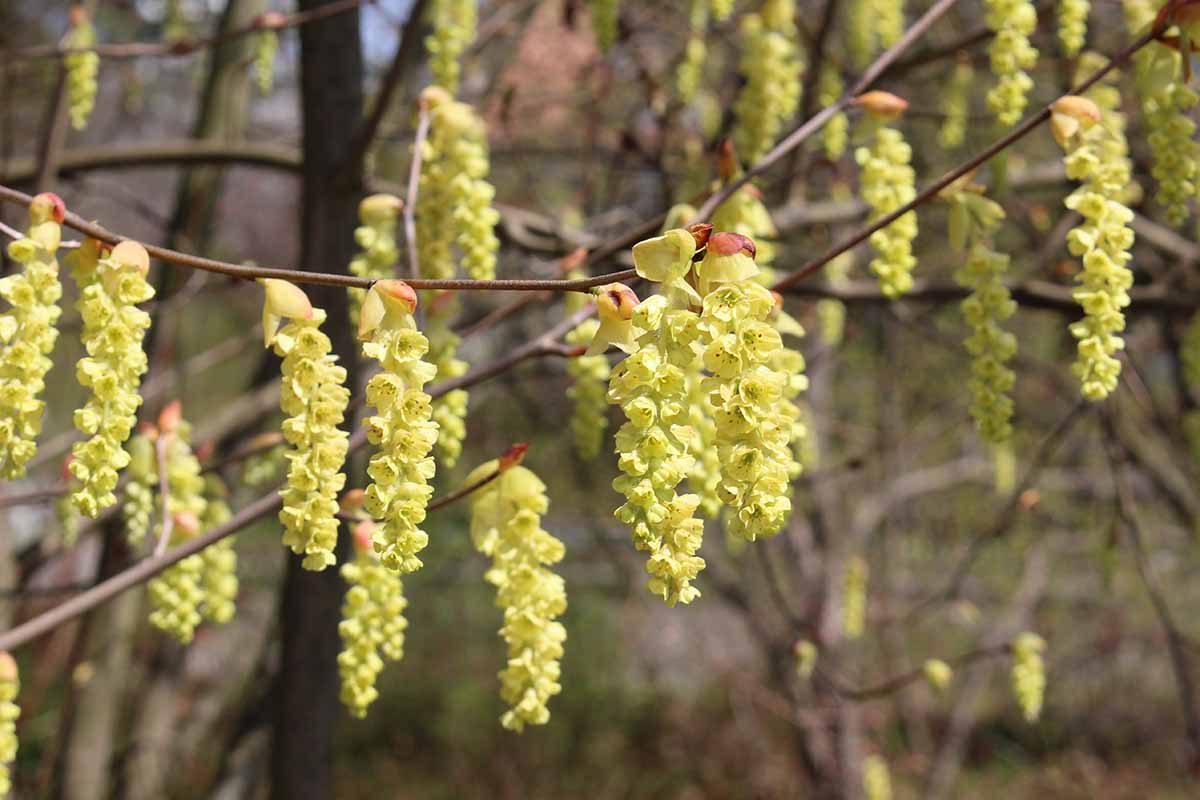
(177, 594)
(1166, 103)
(376, 235)
(973, 217)
(1096, 155)
(705, 476)
(10, 685)
(220, 559)
(83, 66)
(888, 183)
(655, 448)
(806, 654)
(877, 780)
(1011, 54)
(606, 15)
(402, 426)
(861, 33)
(454, 24)
(937, 673)
(772, 68)
(790, 363)
(854, 597)
(506, 526)
(266, 45)
(589, 409)
(373, 623)
(721, 9)
(740, 346)
(141, 477)
(956, 105)
(1029, 674)
(314, 396)
(113, 328)
(28, 333)
(889, 21)
(691, 67)
(1072, 25)
(831, 312)
(267, 459)
(836, 133)
(449, 410)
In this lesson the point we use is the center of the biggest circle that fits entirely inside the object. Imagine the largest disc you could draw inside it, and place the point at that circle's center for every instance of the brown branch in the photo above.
(414, 188)
(321, 278)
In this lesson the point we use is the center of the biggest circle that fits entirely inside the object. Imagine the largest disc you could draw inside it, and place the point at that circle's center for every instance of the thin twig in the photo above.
(414, 188)
(164, 492)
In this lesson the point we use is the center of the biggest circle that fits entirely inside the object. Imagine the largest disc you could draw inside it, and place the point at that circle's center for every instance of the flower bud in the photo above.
(882, 105)
(282, 299)
(47, 206)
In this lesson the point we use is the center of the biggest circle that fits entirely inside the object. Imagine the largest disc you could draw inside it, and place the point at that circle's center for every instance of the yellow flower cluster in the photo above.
(10, 685)
(1011, 54)
(402, 426)
(113, 328)
(220, 559)
(745, 391)
(705, 476)
(266, 465)
(691, 68)
(887, 183)
(141, 477)
(721, 9)
(854, 597)
(177, 594)
(877, 780)
(506, 526)
(449, 410)
(457, 154)
(889, 21)
(1166, 103)
(589, 417)
(973, 217)
(831, 312)
(373, 623)
(772, 68)
(1029, 674)
(806, 654)
(1097, 156)
(836, 133)
(861, 40)
(790, 363)
(314, 396)
(956, 105)
(266, 44)
(1072, 25)
(28, 333)
(82, 68)
(606, 14)
(938, 674)
(454, 24)
(376, 235)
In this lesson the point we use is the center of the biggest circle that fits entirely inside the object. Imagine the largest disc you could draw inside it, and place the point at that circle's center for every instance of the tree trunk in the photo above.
(307, 709)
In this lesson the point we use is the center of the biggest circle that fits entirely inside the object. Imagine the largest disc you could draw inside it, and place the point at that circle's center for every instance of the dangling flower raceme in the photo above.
(506, 526)
(1189, 352)
(113, 328)
(973, 217)
(10, 685)
(690, 69)
(266, 45)
(861, 33)
(877, 780)
(790, 363)
(854, 597)
(454, 24)
(889, 21)
(721, 9)
(1012, 22)
(177, 594)
(1029, 674)
(28, 333)
(772, 68)
(938, 674)
(589, 415)
(740, 346)
(806, 658)
(1096, 156)
(1072, 25)
(836, 133)
(1166, 103)
(402, 426)
(141, 477)
(831, 313)
(888, 183)
(266, 461)
(705, 477)
(457, 138)
(376, 235)
(606, 15)
(373, 623)
(449, 410)
(314, 396)
(433, 213)
(220, 558)
(82, 65)
(956, 105)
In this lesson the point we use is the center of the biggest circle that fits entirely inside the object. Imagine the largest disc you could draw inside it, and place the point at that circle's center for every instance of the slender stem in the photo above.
(164, 493)
(414, 188)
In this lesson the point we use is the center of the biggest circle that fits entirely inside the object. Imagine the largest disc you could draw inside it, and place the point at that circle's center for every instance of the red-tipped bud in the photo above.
(205, 451)
(132, 255)
(65, 470)
(48, 205)
(364, 533)
(170, 417)
(1071, 114)
(616, 301)
(148, 430)
(727, 160)
(399, 292)
(701, 232)
(78, 16)
(8, 667)
(514, 456)
(575, 351)
(187, 522)
(726, 243)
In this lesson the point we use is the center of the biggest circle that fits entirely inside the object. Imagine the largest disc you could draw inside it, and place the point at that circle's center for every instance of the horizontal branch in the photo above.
(77, 222)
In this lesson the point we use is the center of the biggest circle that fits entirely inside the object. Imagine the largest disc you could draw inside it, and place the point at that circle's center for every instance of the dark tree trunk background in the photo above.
(307, 706)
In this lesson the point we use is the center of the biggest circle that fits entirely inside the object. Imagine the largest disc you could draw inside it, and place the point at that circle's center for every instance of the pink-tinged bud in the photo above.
(130, 254)
(728, 259)
(78, 16)
(701, 232)
(379, 208)
(46, 206)
(512, 457)
(65, 471)
(778, 298)
(187, 522)
(398, 293)
(270, 20)
(727, 160)
(364, 533)
(8, 667)
(170, 417)
(148, 430)
(352, 500)
(884, 105)
(1071, 114)
(728, 244)
(616, 301)
(574, 351)
(572, 260)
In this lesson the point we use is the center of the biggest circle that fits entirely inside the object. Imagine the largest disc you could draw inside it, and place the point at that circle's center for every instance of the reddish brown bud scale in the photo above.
(514, 456)
(882, 104)
(187, 522)
(352, 500)
(205, 451)
(727, 160)
(726, 243)
(270, 20)
(131, 254)
(701, 232)
(148, 430)
(399, 291)
(57, 208)
(170, 417)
